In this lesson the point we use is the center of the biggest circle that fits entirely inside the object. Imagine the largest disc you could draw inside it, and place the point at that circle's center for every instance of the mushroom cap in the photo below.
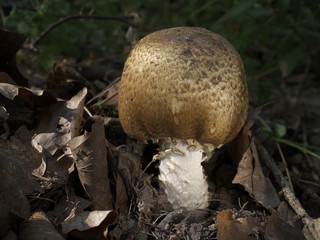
(184, 83)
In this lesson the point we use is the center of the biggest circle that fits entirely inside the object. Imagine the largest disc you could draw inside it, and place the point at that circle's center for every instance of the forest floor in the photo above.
(70, 172)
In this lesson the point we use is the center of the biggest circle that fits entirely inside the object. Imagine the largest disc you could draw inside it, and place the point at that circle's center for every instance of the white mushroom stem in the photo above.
(182, 175)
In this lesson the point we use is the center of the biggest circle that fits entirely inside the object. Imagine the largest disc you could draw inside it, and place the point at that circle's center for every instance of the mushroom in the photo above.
(185, 89)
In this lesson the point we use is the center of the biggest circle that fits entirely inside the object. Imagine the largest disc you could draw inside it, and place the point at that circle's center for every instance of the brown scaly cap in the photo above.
(185, 83)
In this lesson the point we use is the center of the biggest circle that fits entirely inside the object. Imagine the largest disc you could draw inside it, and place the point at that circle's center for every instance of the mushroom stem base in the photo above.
(181, 174)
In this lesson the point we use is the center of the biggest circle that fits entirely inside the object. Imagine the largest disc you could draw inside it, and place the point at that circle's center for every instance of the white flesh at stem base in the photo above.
(181, 174)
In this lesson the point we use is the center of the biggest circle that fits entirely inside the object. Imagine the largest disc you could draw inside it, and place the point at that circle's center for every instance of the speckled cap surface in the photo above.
(184, 83)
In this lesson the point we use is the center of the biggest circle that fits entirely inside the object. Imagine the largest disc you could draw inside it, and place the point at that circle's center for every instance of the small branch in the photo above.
(286, 166)
(313, 225)
(32, 46)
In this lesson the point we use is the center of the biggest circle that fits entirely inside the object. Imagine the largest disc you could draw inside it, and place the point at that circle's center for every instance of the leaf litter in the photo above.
(69, 171)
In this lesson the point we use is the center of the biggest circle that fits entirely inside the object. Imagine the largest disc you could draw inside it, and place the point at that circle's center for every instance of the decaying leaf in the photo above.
(127, 174)
(90, 152)
(250, 175)
(278, 229)
(31, 97)
(287, 214)
(59, 123)
(90, 225)
(9, 91)
(9, 45)
(20, 103)
(17, 162)
(108, 96)
(231, 228)
(5, 78)
(67, 208)
(38, 227)
(4, 115)
(64, 81)
(311, 226)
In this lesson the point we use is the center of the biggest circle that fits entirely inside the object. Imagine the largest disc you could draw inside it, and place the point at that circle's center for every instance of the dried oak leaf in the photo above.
(127, 174)
(250, 174)
(5, 78)
(38, 227)
(231, 228)
(279, 229)
(64, 81)
(31, 97)
(57, 125)
(20, 103)
(90, 152)
(67, 208)
(90, 225)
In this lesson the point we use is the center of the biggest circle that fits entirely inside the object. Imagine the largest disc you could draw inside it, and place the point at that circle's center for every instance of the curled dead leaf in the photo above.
(90, 225)
(231, 228)
(20, 104)
(38, 227)
(17, 162)
(107, 97)
(90, 152)
(64, 80)
(250, 175)
(59, 123)
(67, 208)
(9, 45)
(279, 229)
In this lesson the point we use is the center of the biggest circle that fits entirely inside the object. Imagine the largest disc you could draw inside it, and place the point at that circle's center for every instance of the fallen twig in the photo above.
(32, 46)
(313, 225)
(286, 166)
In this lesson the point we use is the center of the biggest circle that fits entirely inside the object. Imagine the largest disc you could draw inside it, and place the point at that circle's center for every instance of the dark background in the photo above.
(278, 40)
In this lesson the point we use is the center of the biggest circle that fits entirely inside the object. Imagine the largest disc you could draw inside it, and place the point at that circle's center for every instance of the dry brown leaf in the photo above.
(231, 228)
(59, 123)
(128, 172)
(38, 227)
(278, 229)
(90, 152)
(64, 81)
(5, 78)
(90, 225)
(56, 171)
(9, 45)
(287, 214)
(31, 97)
(67, 208)
(4, 116)
(19, 103)
(311, 226)
(17, 162)
(122, 200)
(9, 91)
(250, 175)
(108, 96)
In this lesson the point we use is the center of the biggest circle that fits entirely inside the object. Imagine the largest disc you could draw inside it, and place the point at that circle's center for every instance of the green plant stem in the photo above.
(297, 146)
